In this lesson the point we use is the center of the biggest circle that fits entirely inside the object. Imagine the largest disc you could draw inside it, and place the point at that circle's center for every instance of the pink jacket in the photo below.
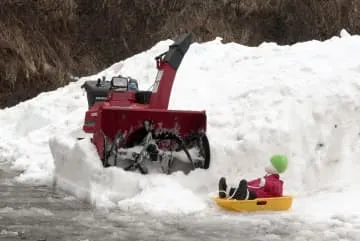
(273, 186)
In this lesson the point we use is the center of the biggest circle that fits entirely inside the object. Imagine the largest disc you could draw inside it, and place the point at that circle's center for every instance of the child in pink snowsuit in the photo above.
(268, 186)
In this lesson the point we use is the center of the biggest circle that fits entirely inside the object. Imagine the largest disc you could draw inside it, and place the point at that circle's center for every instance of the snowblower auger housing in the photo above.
(134, 129)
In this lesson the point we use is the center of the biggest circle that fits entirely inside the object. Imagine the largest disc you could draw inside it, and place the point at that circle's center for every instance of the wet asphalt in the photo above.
(37, 212)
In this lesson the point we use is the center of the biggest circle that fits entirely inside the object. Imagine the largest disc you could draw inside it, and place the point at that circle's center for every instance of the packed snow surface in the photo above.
(301, 100)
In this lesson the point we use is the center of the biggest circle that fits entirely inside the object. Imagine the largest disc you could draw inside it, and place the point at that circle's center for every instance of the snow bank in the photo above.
(79, 171)
(301, 100)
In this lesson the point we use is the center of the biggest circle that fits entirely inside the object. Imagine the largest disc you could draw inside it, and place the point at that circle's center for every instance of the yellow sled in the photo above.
(259, 204)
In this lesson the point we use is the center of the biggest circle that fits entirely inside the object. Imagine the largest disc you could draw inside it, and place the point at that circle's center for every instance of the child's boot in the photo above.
(222, 187)
(241, 193)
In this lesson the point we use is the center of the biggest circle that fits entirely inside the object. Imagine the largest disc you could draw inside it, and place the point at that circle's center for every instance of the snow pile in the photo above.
(301, 100)
(79, 171)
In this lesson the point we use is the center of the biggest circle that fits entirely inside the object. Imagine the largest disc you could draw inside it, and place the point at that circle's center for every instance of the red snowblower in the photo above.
(134, 129)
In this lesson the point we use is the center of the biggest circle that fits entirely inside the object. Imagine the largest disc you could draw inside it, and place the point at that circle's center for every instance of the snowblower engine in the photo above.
(134, 129)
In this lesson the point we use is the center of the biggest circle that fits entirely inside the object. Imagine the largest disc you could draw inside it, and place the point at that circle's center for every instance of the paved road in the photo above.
(36, 213)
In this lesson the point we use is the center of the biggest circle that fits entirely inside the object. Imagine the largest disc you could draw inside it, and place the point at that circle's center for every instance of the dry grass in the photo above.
(34, 55)
(254, 21)
(43, 41)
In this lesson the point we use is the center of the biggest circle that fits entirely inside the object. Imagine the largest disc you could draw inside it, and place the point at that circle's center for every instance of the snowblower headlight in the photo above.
(119, 82)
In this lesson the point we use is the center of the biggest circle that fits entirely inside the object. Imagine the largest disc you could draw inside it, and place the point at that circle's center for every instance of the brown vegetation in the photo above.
(43, 42)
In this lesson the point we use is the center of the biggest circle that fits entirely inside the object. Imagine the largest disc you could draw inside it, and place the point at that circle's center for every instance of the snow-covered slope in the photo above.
(301, 100)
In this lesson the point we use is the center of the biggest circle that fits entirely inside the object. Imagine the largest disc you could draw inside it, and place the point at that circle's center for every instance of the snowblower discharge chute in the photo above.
(134, 129)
